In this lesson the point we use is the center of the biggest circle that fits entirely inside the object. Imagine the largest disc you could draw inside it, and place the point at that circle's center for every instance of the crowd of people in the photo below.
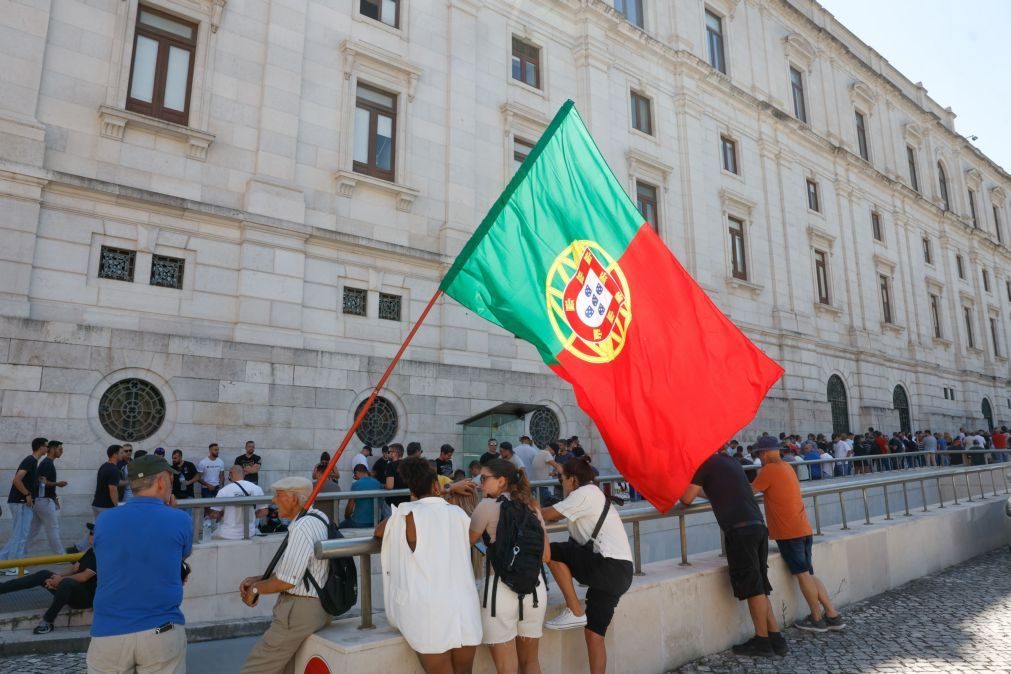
(428, 536)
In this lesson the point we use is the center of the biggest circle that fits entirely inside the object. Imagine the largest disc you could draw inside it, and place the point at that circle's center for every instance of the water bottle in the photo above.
(208, 528)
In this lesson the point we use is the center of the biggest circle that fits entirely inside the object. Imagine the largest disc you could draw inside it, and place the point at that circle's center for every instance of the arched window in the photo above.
(942, 183)
(900, 401)
(380, 422)
(988, 414)
(131, 410)
(544, 427)
(840, 406)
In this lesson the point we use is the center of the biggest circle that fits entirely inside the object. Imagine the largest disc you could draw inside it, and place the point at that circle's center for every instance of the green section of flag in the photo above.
(563, 192)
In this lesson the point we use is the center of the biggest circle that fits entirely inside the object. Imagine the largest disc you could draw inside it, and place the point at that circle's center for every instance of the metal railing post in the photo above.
(905, 497)
(940, 496)
(684, 540)
(636, 548)
(982, 491)
(842, 511)
(888, 510)
(245, 523)
(723, 544)
(867, 512)
(817, 516)
(954, 489)
(968, 488)
(365, 593)
(993, 482)
(923, 495)
(198, 523)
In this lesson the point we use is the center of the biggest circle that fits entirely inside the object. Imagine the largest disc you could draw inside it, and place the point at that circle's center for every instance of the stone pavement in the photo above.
(958, 620)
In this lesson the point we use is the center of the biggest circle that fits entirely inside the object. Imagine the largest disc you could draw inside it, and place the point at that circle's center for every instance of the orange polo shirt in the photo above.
(784, 508)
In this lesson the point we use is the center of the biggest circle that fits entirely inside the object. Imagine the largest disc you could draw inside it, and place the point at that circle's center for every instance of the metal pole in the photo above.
(923, 495)
(245, 523)
(940, 496)
(993, 482)
(842, 511)
(982, 491)
(636, 548)
(723, 544)
(366, 593)
(198, 523)
(968, 487)
(867, 513)
(817, 516)
(684, 540)
(905, 497)
(954, 489)
(888, 511)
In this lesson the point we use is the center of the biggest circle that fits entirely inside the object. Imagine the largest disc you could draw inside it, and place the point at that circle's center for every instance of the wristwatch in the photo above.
(254, 590)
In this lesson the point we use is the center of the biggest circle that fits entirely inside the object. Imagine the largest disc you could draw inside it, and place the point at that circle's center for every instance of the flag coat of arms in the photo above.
(565, 261)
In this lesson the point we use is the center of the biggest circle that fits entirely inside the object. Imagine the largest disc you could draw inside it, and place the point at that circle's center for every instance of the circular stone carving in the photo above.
(544, 427)
(131, 410)
(380, 423)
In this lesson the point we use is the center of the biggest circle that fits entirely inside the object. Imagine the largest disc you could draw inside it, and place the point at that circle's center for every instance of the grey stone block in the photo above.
(66, 380)
(202, 390)
(335, 399)
(292, 396)
(23, 352)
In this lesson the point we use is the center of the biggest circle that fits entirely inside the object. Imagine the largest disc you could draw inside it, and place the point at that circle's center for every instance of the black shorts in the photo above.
(748, 560)
(606, 577)
(796, 553)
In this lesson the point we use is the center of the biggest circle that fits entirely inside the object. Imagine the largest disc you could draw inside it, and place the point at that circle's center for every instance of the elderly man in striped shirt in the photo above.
(298, 612)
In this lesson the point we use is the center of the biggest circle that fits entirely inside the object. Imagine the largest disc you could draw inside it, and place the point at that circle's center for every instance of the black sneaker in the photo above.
(72, 550)
(809, 624)
(836, 624)
(778, 642)
(43, 628)
(754, 647)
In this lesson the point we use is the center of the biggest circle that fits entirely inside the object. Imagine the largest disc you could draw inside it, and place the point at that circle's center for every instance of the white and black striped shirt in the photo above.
(301, 555)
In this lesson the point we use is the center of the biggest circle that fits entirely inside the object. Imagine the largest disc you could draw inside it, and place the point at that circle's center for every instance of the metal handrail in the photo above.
(365, 547)
(24, 562)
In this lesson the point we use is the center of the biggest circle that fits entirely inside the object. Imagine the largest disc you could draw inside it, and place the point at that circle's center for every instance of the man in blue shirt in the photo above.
(359, 512)
(811, 453)
(141, 546)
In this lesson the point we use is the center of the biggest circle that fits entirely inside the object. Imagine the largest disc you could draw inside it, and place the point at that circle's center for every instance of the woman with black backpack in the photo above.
(514, 597)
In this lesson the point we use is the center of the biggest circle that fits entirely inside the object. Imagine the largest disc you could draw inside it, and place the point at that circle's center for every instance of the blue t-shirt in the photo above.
(140, 548)
(363, 514)
(814, 455)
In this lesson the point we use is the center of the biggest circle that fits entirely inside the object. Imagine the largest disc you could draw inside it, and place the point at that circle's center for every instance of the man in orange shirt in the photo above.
(789, 527)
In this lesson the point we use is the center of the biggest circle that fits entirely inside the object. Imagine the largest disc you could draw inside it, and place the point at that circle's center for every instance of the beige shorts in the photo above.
(506, 625)
(142, 652)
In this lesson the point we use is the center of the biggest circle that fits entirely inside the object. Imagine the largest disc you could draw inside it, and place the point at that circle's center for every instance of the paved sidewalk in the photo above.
(958, 620)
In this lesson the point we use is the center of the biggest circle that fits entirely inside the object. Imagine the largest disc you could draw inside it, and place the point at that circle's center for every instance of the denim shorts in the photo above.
(796, 553)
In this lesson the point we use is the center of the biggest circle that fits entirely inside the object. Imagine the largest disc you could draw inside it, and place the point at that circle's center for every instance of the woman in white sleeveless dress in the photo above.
(428, 580)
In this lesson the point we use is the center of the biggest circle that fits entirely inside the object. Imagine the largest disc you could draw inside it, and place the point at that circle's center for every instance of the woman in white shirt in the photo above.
(597, 554)
(428, 581)
(512, 634)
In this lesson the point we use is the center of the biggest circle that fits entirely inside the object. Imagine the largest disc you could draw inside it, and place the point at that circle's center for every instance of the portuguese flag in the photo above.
(565, 261)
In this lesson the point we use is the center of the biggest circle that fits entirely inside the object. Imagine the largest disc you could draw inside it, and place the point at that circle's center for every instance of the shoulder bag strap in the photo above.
(244, 492)
(600, 522)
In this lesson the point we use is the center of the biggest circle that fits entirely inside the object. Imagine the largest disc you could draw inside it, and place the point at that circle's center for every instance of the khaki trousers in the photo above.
(141, 652)
(295, 618)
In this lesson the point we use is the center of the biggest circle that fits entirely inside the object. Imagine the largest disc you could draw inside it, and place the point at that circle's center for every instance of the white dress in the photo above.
(429, 593)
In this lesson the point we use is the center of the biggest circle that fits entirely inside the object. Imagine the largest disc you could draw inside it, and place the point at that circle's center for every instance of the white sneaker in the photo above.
(8, 572)
(566, 620)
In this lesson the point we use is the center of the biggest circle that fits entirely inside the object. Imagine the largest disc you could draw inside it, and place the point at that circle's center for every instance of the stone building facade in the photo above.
(241, 207)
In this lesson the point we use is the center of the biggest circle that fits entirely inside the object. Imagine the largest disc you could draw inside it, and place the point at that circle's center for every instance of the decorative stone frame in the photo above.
(884, 266)
(161, 436)
(725, 9)
(403, 418)
(936, 287)
(642, 166)
(819, 239)
(993, 311)
(519, 120)
(146, 246)
(400, 31)
(642, 88)
(725, 131)
(539, 40)
(739, 207)
(968, 301)
(385, 70)
(113, 116)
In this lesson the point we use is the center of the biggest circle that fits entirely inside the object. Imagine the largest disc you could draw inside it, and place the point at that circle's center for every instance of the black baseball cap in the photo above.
(764, 443)
(148, 465)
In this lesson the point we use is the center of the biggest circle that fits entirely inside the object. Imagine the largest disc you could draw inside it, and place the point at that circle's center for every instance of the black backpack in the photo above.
(516, 553)
(340, 591)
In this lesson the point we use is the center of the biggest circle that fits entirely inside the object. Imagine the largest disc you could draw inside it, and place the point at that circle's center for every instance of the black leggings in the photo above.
(69, 592)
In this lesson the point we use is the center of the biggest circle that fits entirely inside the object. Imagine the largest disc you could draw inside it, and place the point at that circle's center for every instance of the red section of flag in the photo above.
(686, 380)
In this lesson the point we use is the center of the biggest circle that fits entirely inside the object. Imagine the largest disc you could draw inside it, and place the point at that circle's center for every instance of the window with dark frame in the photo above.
(821, 275)
(117, 264)
(161, 72)
(526, 63)
(521, 150)
(375, 132)
(960, 266)
(914, 179)
(886, 298)
(631, 10)
(994, 335)
(642, 114)
(714, 41)
(738, 256)
(935, 315)
(389, 307)
(728, 149)
(385, 11)
(797, 87)
(986, 280)
(942, 184)
(167, 272)
(970, 340)
(996, 225)
(972, 209)
(876, 226)
(646, 201)
(812, 196)
(927, 254)
(951, 392)
(862, 136)
(355, 301)
(945, 392)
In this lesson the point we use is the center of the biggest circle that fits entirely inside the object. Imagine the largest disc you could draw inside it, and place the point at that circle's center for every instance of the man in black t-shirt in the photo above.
(722, 480)
(250, 462)
(45, 511)
(74, 586)
(392, 478)
(379, 467)
(492, 452)
(182, 485)
(24, 487)
(444, 464)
